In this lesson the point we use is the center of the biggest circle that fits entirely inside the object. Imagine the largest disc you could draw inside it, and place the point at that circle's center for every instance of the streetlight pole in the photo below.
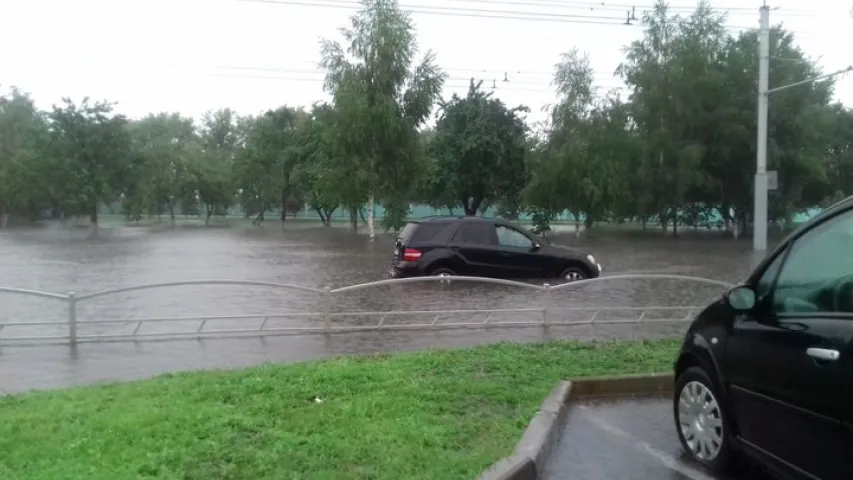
(759, 214)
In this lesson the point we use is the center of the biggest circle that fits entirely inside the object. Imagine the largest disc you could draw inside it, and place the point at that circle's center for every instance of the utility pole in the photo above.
(759, 214)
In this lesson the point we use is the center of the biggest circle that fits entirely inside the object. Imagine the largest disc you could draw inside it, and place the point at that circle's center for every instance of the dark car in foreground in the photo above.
(480, 247)
(766, 372)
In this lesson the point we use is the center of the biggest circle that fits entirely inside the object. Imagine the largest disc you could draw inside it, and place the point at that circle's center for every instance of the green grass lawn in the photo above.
(444, 414)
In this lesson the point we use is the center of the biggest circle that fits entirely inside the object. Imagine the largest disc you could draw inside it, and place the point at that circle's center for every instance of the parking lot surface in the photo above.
(626, 439)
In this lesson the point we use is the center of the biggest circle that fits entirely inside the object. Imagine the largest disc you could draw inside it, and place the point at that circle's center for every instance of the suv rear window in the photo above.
(419, 232)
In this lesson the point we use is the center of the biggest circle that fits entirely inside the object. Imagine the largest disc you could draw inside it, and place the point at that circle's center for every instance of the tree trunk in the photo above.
(283, 205)
(322, 216)
(93, 217)
(371, 228)
(4, 217)
(353, 219)
(577, 224)
(209, 214)
(664, 221)
(361, 214)
(674, 223)
(172, 212)
(471, 205)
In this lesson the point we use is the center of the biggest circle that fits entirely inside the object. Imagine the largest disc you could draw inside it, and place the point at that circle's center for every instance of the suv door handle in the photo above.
(823, 354)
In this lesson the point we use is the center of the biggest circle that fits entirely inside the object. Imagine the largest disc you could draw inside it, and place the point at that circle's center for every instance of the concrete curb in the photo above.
(531, 453)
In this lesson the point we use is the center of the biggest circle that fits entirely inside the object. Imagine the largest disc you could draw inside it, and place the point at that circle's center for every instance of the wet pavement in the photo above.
(626, 439)
(63, 260)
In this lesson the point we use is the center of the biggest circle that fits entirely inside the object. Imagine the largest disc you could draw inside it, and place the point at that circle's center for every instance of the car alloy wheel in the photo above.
(700, 421)
(573, 275)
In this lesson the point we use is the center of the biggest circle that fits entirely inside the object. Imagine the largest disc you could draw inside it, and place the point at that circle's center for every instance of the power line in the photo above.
(488, 83)
(459, 12)
(609, 7)
(501, 71)
(503, 75)
(484, 13)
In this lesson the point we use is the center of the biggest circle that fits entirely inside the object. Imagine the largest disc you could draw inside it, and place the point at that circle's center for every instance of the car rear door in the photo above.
(476, 244)
(787, 362)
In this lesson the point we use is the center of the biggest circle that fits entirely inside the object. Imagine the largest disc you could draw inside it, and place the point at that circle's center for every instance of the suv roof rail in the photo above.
(438, 217)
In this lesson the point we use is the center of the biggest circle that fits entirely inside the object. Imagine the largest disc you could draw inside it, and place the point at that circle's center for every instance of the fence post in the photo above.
(546, 308)
(327, 308)
(72, 318)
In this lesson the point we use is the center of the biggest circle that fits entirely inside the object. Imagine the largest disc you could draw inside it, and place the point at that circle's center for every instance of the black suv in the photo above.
(479, 247)
(767, 370)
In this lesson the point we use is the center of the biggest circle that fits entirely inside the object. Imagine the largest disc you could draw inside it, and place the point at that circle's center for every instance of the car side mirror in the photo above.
(741, 298)
(536, 246)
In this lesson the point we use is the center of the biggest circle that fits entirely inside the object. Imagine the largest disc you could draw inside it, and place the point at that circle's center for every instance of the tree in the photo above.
(480, 146)
(380, 99)
(164, 146)
(22, 129)
(90, 147)
(263, 169)
(222, 137)
(320, 175)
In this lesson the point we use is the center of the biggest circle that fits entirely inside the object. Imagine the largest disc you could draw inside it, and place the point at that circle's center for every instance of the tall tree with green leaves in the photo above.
(319, 175)
(264, 168)
(22, 129)
(161, 179)
(381, 98)
(480, 148)
(222, 137)
(90, 146)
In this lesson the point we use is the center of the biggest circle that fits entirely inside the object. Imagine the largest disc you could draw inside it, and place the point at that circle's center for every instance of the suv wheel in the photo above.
(573, 274)
(438, 272)
(701, 421)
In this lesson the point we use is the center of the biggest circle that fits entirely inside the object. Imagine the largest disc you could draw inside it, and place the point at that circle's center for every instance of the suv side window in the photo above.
(817, 265)
(510, 237)
(475, 234)
(426, 231)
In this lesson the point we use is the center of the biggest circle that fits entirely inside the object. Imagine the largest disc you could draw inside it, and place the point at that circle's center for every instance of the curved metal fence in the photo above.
(323, 321)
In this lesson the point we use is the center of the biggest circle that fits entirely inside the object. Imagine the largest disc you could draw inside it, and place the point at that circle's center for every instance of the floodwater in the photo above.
(68, 260)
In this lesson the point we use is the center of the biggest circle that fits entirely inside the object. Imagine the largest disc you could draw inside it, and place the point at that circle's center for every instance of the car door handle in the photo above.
(823, 354)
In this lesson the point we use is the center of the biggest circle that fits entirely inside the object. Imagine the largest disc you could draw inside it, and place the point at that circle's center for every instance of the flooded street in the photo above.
(61, 261)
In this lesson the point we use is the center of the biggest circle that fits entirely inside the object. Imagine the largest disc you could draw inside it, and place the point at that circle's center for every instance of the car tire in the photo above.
(702, 422)
(441, 271)
(573, 274)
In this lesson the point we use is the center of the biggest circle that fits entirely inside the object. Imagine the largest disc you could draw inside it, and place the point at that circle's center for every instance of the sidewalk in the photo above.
(625, 439)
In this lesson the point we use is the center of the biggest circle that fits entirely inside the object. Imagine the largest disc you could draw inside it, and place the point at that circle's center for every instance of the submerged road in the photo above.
(58, 260)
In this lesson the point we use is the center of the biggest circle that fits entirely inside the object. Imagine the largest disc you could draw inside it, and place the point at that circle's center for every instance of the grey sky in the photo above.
(195, 55)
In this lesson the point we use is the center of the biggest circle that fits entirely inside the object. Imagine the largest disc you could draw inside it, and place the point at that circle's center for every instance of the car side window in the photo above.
(817, 276)
(509, 237)
(475, 234)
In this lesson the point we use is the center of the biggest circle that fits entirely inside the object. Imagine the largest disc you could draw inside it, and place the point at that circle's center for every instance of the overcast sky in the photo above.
(196, 55)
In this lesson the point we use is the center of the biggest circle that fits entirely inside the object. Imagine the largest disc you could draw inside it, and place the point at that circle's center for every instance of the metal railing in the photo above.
(324, 321)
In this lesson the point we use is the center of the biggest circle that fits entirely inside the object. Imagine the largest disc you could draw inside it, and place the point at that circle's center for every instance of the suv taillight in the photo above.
(411, 255)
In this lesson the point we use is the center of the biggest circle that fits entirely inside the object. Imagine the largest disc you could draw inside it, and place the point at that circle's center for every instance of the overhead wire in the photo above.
(452, 82)
(629, 20)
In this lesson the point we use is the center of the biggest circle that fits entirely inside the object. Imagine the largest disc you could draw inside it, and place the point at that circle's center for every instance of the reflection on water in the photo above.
(60, 261)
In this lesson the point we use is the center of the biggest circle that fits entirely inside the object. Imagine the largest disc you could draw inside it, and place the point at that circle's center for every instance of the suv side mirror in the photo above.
(741, 298)
(536, 246)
